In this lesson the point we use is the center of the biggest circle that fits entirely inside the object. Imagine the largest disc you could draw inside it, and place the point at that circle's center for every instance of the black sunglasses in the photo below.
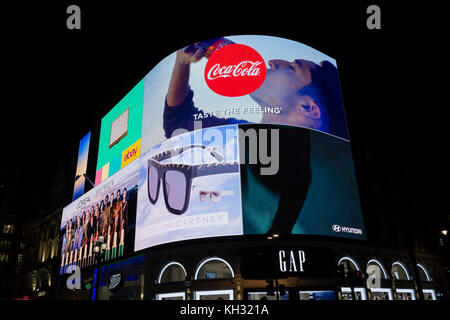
(177, 178)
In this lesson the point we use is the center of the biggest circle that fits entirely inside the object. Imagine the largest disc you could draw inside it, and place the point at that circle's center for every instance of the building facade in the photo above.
(37, 275)
(301, 268)
(10, 253)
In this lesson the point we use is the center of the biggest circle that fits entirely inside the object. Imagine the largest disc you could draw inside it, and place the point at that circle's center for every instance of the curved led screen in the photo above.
(239, 135)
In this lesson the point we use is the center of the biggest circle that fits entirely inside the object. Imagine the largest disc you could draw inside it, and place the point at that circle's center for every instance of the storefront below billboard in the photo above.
(357, 294)
(122, 280)
(214, 295)
(317, 295)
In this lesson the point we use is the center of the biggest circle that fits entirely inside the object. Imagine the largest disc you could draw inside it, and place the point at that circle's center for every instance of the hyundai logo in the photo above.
(336, 228)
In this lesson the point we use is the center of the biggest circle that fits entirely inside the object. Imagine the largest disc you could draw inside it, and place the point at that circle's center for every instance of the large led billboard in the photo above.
(237, 135)
(247, 179)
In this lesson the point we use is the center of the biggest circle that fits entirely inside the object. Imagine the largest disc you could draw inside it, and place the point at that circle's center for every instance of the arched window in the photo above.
(423, 273)
(213, 268)
(172, 272)
(379, 266)
(399, 271)
(349, 264)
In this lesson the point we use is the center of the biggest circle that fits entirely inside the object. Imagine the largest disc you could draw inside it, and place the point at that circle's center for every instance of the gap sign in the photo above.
(291, 261)
(307, 262)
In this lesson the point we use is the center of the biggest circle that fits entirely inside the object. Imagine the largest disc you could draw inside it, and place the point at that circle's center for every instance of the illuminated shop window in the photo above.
(423, 273)
(399, 271)
(429, 294)
(359, 293)
(172, 272)
(317, 295)
(214, 295)
(381, 294)
(171, 296)
(406, 294)
(213, 268)
(262, 295)
(350, 264)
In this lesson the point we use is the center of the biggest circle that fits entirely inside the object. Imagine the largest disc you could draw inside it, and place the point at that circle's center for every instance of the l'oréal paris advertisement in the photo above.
(103, 216)
(189, 188)
(242, 79)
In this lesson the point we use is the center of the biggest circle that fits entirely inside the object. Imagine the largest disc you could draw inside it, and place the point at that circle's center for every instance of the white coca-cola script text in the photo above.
(242, 69)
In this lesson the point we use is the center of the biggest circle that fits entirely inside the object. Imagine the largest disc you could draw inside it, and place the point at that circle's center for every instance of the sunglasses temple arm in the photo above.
(227, 193)
(176, 152)
(212, 151)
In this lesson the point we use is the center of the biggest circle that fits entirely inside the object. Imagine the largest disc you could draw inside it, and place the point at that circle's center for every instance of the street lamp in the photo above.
(100, 248)
(99, 251)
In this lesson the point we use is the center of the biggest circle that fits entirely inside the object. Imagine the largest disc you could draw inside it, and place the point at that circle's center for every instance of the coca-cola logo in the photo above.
(242, 69)
(235, 70)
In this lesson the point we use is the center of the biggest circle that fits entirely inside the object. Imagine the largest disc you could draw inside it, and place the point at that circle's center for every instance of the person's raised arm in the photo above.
(179, 82)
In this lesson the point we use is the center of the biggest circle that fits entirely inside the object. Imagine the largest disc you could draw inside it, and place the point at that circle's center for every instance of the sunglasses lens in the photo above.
(203, 196)
(215, 196)
(175, 189)
(152, 183)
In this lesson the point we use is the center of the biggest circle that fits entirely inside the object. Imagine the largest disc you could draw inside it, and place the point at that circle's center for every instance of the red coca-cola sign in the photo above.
(235, 70)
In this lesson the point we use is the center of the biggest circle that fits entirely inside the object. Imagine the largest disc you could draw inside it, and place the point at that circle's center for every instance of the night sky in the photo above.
(59, 83)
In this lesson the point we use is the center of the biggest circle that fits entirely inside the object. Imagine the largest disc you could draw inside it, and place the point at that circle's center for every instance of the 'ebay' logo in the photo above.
(235, 70)
(130, 154)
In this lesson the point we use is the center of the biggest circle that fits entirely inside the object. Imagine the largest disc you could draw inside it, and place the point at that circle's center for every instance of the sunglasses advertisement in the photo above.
(189, 188)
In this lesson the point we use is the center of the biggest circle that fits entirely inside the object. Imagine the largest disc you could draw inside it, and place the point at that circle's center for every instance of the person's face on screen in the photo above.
(280, 90)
